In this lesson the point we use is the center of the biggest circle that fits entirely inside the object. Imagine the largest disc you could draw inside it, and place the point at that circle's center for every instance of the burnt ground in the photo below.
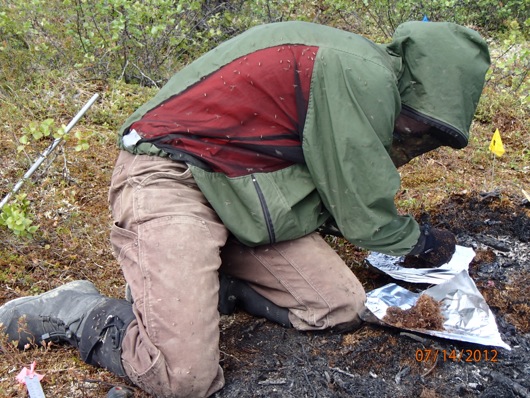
(261, 359)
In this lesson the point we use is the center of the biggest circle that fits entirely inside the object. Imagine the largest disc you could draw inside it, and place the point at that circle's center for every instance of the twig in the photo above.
(230, 355)
(273, 382)
(403, 371)
(414, 337)
(338, 370)
(145, 76)
(440, 164)
(432, 367)
(309, 383)
(123, 70)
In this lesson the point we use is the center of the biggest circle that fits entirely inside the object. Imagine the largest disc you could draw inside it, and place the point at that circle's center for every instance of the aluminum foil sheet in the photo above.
(467, 315)
(390, 265)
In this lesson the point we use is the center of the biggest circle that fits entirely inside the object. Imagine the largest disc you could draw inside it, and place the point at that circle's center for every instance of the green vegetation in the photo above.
(55, 53)
(15, 217)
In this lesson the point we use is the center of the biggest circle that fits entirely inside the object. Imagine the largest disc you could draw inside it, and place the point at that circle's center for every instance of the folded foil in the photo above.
(467, 315)
(390, 265)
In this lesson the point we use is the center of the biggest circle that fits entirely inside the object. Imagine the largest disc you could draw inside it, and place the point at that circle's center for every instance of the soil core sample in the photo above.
(414, 262)
(425, 314)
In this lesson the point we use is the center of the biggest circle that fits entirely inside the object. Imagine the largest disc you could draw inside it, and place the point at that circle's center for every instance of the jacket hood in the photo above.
(442, 75)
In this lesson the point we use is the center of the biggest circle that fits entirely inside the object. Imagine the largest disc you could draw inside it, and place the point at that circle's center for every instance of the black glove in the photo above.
(435, 246)
(330, 228)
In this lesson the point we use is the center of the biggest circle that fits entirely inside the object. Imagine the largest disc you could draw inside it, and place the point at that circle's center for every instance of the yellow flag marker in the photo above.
(526, 194)
(496, 144)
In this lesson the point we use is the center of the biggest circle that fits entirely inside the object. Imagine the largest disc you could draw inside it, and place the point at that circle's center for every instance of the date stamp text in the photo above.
(476, 355)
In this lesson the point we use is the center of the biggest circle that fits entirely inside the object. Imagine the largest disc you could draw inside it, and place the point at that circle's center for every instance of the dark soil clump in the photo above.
(425, 314)
(413, 262)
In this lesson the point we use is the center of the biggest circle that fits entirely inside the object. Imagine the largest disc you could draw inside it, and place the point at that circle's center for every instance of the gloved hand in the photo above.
(435, 246)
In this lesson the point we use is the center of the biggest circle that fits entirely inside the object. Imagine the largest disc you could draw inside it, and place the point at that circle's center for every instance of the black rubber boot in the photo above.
(56, 315)
(235, 293)
(102, 335)
(75, 314)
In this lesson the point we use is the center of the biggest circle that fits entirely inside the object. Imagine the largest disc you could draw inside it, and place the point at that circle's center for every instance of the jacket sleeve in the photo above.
(348, 129)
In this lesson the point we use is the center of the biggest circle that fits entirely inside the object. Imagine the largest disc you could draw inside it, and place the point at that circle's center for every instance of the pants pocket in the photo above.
(125, 247)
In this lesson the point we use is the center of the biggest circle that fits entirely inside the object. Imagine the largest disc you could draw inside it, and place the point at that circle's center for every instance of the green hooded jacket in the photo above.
(432, 71)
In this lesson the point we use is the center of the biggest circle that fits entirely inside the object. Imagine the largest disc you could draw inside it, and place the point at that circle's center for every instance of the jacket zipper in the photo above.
(265, 209)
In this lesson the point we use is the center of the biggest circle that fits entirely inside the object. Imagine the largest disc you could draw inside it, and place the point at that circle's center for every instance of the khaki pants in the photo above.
(171, 244)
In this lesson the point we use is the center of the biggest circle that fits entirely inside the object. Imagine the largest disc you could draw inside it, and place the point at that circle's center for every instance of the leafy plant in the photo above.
(141, 41)
(36, 131)
(511, 68)
(15, 217)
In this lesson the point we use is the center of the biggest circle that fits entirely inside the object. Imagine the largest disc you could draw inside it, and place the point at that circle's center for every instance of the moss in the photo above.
(425, 314)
